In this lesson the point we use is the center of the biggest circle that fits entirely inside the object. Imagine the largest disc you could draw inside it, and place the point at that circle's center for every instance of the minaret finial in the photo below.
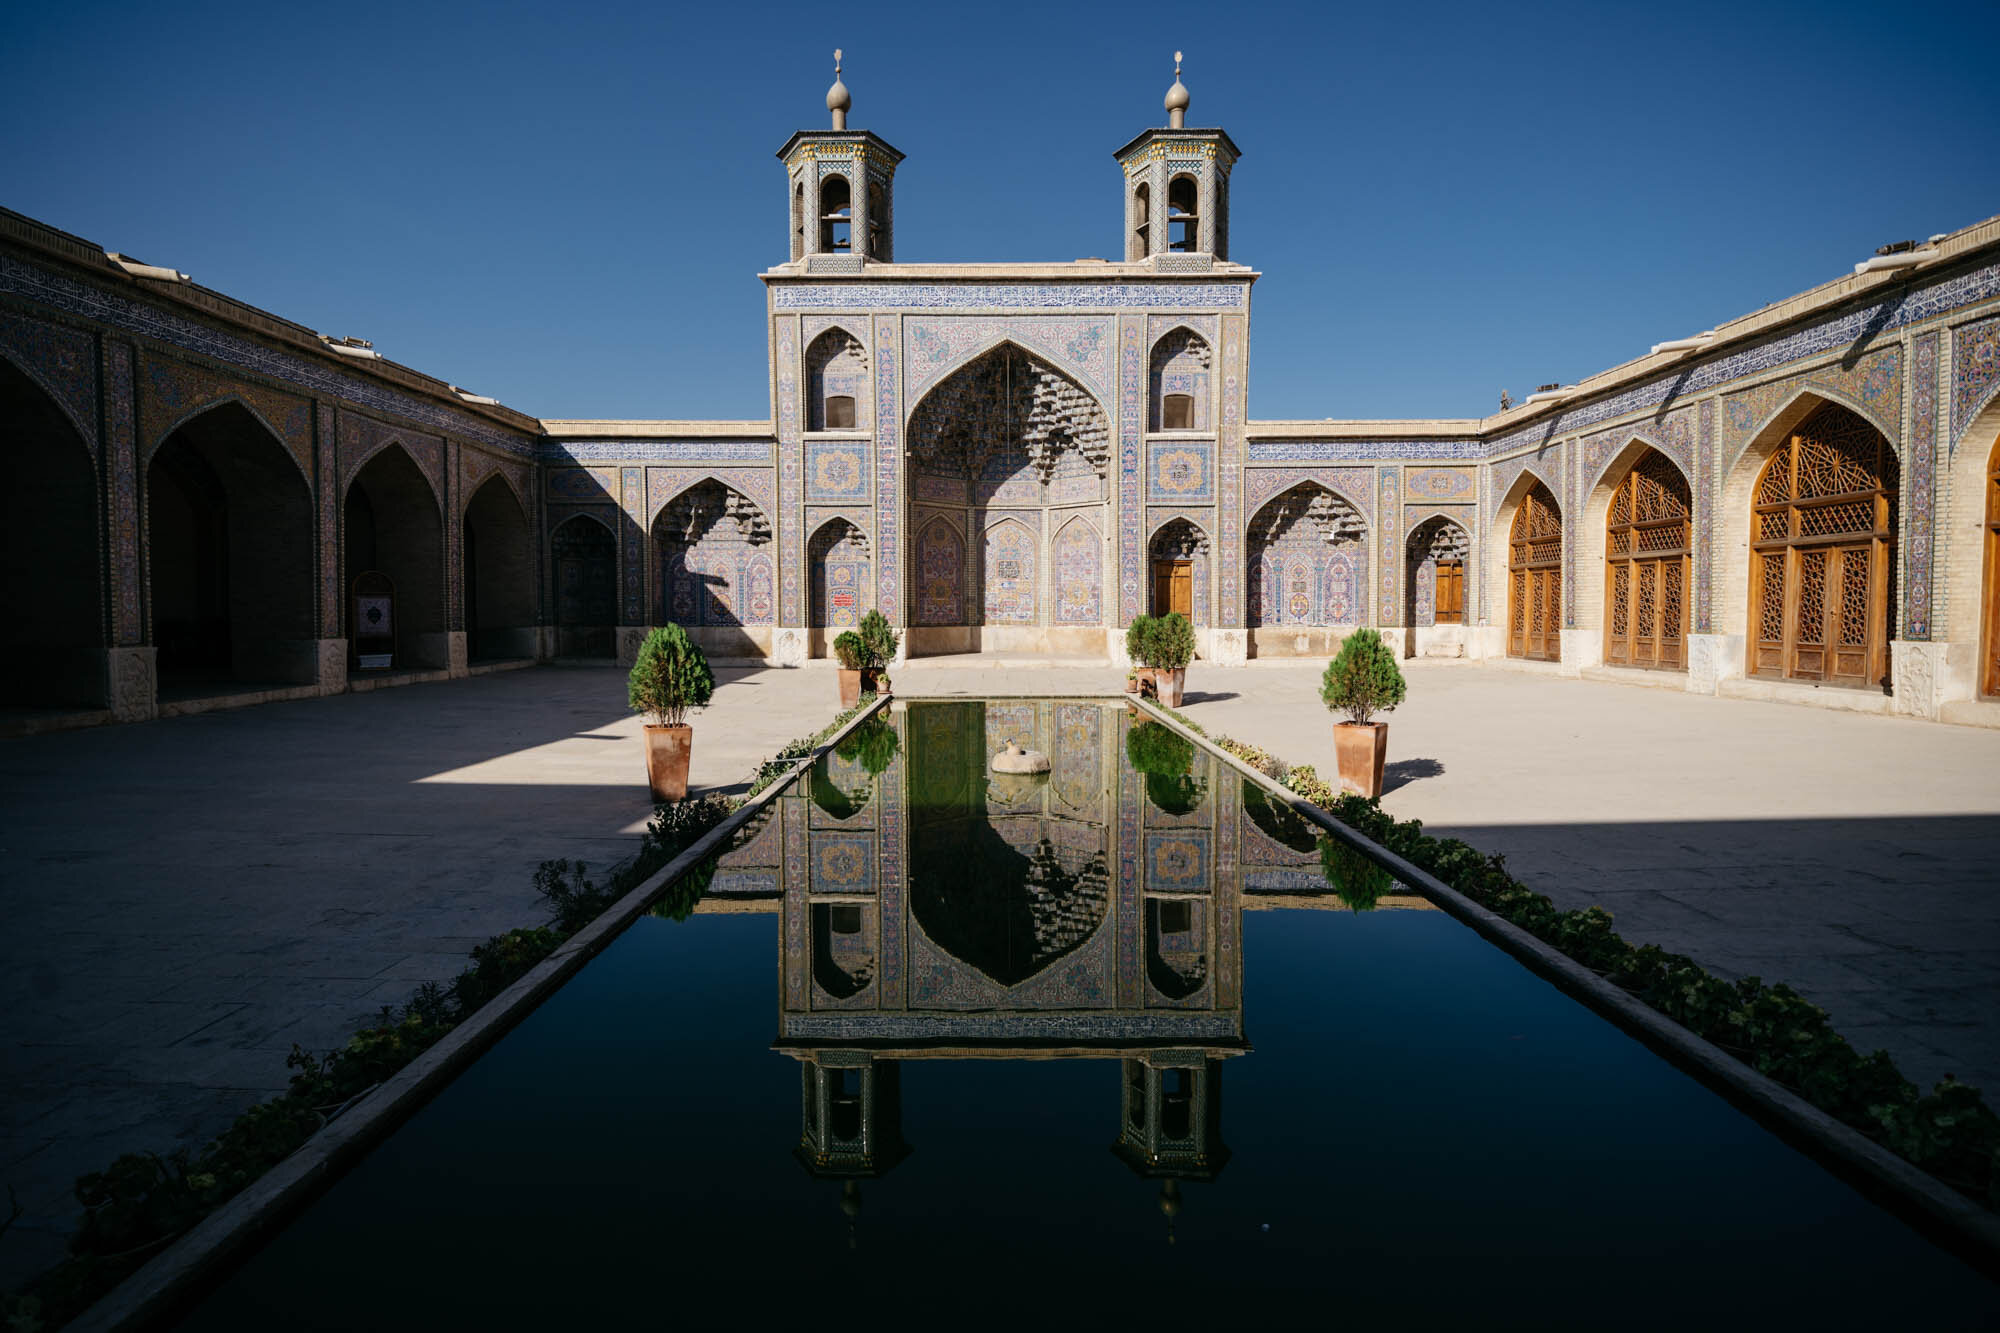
(837, 99)
(1177, 99)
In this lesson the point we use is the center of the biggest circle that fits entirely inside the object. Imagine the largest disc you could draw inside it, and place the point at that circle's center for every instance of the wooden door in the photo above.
(1173, 587)
(1450, 604)
(1822, 535)
(1534, 563)
(1648, 550)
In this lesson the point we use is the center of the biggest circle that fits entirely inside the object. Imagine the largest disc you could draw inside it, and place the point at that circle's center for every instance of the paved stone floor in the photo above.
(188, 898)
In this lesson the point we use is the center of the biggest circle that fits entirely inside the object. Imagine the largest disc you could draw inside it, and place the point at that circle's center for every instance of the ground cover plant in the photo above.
(142, 1202)
(1949, 1132)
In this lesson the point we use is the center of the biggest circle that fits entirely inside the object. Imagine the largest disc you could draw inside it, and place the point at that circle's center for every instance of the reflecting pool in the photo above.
(1108, 1040)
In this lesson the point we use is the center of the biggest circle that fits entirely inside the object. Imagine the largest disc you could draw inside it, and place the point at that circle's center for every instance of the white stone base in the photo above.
(1438, 641)
(629, 639)
(1712, 659)
(1581, 648)
(1485, 641)
(456, 657)
(1924, 677)
(331, 673)
(789, 647)
(134, 692)
(1227, 647)
(1396, 638)
(1841, 698)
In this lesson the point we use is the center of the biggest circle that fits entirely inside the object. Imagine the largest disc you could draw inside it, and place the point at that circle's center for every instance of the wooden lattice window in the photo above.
(1648, 546)
(1822, 547)
(1990, 685)
(1534, 578)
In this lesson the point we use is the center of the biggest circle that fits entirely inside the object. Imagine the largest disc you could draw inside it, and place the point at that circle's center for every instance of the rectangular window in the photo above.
(846, 919)
(840, 412)
(1176, 917)
(1177, 412)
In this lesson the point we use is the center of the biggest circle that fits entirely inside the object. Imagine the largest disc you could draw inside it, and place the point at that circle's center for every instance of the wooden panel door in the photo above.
(1822, 535)
(1173, 587)
(1450, 607)
(1990, 685)
(1534, 562)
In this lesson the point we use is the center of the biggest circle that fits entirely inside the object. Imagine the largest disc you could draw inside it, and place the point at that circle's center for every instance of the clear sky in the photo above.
(564, 206)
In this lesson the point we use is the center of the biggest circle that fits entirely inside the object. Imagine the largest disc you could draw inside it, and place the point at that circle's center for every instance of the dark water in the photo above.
(1083, 1045)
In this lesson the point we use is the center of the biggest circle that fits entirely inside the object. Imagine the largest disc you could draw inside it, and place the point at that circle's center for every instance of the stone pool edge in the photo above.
(1921, 1197)
(156, 1290)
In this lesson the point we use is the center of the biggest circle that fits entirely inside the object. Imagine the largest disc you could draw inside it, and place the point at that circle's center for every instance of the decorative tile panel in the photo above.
(1078, 582)
(1180, 472)
(62, 361)
(171, 392)
(121, 447)
(664, 483)
(1704, 519)
(1439, 483)
(889, 798)
(888, 470)
(790, 471)
(1010, 295)
(1672, 434)
(836, 470)
(362, 437)
(1131, 409)
(1920, 489)
(582, 485)
(1080, 345)
(1356, 485)
(1975, 372)
(1159, 326)
(1229, 471)
(632, 543)
(1873, 386)
(656, 451)
(1363, 451)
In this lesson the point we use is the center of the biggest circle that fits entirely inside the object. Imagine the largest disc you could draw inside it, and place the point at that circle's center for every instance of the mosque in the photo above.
(212, 505)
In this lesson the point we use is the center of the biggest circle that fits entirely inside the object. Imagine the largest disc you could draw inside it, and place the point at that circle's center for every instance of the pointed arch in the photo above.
(230, 543)
(1179, 556)
(1076, 582)
(1179, 381)
(1595, 578)
(383, 441)
(1533, 571)
(1308, 552)
(498, 566)
(222, 402)
(1438, 550)
(583, 550)
(714, 558)
(938, 555)
(1800, 403)
(74, 408)
(504, 474)
(842, 575)
(934, 380)
(393, 526)
(837, 382)
(52, 637)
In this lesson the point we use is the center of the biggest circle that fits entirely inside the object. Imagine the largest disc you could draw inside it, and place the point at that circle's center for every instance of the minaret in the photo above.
(842, 191)
(1177, 190)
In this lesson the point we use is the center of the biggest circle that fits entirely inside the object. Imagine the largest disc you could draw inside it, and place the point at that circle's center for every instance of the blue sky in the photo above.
(565, 206)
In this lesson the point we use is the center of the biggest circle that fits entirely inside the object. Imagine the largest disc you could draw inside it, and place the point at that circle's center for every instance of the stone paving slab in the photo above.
(188, 898)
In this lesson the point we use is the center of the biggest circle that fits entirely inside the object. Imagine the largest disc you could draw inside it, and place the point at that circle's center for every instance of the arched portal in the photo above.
(585, 554)
(229, 525)
(1534, 578)
(843, 581)
(1822, 548)
(1308, 572)
(1177, 558)
(1648, 564)
(499, 576)
(714, 557)
(836, 381)
(1437, 550)
(52, 636)
(393, 529)
(1990, 636)
(1005, 454)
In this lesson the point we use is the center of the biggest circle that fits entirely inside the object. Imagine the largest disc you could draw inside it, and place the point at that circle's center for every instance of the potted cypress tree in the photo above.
(1138, 647)
(1171, 648)
(879, 641)
(847, 647)
(669, 676)
(1362, 681)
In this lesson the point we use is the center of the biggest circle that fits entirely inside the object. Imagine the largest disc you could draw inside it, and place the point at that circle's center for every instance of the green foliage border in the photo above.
(1949, 1133)
(136, 1208)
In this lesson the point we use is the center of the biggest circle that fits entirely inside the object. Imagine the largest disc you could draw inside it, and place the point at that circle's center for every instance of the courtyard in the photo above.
(192, 897)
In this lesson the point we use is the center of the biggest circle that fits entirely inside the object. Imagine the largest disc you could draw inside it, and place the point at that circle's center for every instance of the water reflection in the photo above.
(933, 910)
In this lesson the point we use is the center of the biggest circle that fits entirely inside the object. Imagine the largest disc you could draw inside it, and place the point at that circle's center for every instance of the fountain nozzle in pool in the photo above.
(1014, 759)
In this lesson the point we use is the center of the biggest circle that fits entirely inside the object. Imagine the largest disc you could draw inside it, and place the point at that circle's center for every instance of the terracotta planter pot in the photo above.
(873, 681)
(1360, 747)
(850, 688)
(667, 752)
(1132, 684)
(1167, 685)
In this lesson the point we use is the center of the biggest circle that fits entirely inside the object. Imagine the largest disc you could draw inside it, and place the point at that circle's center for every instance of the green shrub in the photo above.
(873, 744)
(879, 641)
(1172, 642)
(669, 676)
(1364, 679)
(847, 646)
(1165, 757)
(1139, 640)
(1355, 877)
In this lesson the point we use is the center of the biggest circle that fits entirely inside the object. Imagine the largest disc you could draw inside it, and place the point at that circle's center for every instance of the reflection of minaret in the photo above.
(851, 1116)
(1171, 1123)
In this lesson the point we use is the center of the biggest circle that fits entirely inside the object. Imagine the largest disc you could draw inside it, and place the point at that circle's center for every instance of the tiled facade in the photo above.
(989, 449)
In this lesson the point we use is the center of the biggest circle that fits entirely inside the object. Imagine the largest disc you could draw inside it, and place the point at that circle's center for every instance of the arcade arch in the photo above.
(1534, 577)
(585, 556)
(499, 575)
(1177, 567)
(229, 528)
(52, 637)
(392, 528)
(1438, 552)
(843, 581)
(1639, 592)
(715, 569)
(1307, 572)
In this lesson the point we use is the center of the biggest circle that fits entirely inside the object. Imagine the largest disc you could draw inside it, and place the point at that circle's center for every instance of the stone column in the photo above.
(130, 667)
